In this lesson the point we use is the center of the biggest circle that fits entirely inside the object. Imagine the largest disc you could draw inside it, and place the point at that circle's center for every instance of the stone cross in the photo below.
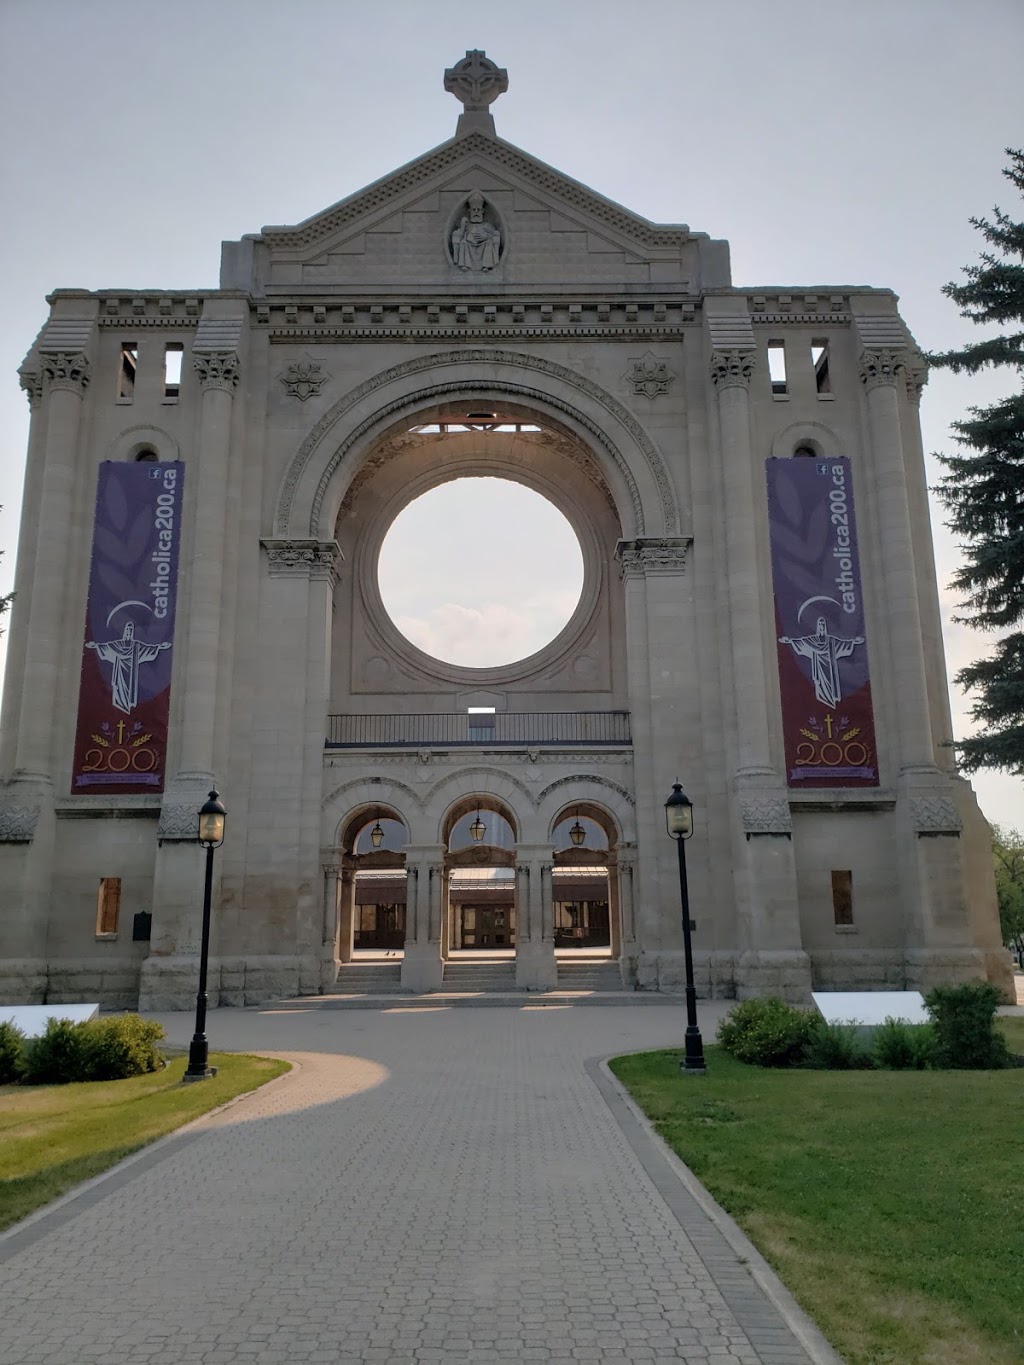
(476, 81)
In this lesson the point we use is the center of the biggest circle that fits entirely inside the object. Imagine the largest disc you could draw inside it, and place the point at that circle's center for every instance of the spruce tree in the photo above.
(983, 492)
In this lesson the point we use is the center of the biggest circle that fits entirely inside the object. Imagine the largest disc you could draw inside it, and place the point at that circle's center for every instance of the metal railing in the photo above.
(499, 728)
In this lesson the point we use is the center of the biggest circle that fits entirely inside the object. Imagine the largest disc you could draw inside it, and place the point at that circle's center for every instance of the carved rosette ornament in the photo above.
(66, 370)
(731, 369)
(935, 814)
(303, 378)
(476, 81)
(217, 370)
(766, 813)
(666, 554)
(315, 559)
(882, 367)
(649, 376)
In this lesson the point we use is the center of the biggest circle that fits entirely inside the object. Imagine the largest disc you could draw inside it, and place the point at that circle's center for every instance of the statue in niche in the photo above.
(476, 244)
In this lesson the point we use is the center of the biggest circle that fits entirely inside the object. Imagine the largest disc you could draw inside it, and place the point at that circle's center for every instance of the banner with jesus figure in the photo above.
(827, 717)
(124, 698)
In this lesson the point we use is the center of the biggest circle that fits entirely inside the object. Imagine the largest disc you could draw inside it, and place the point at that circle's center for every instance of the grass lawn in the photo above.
(54, 1136)
(890, 1203)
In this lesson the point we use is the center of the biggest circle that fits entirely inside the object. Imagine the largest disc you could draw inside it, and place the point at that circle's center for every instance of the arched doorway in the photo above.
(580, 884)
(373, 887)
(480, 918)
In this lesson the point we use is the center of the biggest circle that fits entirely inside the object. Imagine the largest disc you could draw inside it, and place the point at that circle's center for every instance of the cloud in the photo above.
(489, 635)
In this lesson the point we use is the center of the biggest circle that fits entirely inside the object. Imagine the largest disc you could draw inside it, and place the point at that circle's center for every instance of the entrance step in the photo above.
(368, 978)
(600, 975)
(479, 976)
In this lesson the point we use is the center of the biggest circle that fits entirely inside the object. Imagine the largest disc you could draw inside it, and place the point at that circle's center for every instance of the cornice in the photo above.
(283, 335)
(451, 154)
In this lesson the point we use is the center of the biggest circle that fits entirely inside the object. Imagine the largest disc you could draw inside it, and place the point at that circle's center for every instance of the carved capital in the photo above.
(66, 370)
(179, 822)
(315, 559)
(731, 369)
(217, 370)
(667, 554)
(935, 814)
(882, 367)
(765, 813)
(32, 382)
(916, 377)
(17, 822)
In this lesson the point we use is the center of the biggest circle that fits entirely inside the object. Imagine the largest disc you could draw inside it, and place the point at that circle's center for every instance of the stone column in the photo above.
(346, 913)
(622, 870)
(772, 960)
(422, 964)
(536, 968)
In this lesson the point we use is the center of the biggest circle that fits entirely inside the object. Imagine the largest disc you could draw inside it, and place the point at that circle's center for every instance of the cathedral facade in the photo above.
(198, 607)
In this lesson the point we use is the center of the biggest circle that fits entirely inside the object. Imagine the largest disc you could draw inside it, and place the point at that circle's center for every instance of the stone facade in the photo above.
(316, 386)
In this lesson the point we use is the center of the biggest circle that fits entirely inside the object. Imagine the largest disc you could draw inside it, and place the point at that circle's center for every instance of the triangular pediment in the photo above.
(396, 233)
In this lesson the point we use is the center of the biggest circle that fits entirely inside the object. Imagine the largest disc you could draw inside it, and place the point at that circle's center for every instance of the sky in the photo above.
(829, 142)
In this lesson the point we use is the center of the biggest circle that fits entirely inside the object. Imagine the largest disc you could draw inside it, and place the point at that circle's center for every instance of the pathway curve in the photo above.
(432, 1186)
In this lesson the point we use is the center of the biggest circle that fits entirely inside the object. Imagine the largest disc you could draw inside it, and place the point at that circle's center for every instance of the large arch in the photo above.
(311, 492)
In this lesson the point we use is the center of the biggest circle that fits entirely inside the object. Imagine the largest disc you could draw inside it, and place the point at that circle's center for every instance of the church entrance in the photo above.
(481, 874)
(378, 879)
(580, 885)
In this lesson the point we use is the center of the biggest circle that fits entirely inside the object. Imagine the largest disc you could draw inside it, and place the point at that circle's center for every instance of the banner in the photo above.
(827, 717)
(123, 702)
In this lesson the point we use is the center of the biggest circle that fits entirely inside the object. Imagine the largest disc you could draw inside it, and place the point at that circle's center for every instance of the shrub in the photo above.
(965, 1032)
(12, 1053)
(900, 1046)
(57, 1056)
(120, 1046)
(766, 1032)
(836, 1047)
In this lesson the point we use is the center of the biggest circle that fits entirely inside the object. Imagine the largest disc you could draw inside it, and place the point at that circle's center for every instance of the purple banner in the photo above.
(827, 715)
(124, 699)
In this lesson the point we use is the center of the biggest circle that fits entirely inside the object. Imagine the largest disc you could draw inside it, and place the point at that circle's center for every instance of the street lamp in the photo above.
(211, 835)
(679, 819)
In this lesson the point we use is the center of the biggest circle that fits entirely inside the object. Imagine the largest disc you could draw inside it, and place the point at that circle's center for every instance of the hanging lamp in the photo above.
(577, 833)
(377, 833)
(477, 829)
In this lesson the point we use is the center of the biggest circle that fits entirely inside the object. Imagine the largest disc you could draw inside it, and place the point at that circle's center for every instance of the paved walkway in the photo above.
(432, 1186)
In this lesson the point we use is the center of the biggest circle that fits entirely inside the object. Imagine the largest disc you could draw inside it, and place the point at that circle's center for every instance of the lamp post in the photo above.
(211, 836)
(679, 819)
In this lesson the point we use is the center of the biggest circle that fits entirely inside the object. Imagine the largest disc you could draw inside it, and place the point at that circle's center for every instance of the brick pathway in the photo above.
(433, 1186)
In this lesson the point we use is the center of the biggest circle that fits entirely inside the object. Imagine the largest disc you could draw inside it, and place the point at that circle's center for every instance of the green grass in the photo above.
(1013, 1027)
(55, 1136)
(889, 1202)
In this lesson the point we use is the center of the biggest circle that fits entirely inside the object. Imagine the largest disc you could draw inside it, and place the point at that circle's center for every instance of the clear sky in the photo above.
(831, 143)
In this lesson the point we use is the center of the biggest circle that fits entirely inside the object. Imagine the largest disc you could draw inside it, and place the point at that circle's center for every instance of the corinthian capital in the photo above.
(731, 369)
(32, 382)
(217, 370)
(303, 558)
(879, 367)
(66, 370)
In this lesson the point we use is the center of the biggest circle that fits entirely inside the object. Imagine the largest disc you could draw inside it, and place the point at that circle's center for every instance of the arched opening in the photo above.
(481, 916)
(373, 886)
(581, 884)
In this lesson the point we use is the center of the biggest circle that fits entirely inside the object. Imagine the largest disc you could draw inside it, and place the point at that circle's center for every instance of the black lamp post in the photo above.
(679, 819)
(211, 836)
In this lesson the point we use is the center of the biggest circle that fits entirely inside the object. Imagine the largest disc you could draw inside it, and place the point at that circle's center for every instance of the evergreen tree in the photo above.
(984, 492)
(1008, 856)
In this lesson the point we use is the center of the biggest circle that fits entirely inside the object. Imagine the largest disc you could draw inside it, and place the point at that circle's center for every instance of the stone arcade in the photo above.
(759, 616)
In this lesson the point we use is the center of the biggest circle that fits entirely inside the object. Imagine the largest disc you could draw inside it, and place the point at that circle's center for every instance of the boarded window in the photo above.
(129, 364)
(108, 906)
(172, 370)
(842, 897)
(819, 355)
(777, 368)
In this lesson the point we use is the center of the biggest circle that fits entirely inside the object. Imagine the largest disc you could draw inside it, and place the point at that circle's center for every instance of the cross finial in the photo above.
(476, 81)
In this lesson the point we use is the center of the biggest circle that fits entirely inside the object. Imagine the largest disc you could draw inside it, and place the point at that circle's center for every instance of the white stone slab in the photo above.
(32, 1019)
(870, 1007)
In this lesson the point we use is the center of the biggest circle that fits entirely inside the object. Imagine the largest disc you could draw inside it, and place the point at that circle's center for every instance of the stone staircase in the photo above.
(596, 974)
(368, 978)
(472, 977)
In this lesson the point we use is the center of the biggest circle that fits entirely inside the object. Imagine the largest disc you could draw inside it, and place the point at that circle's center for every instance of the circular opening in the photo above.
(480, 572)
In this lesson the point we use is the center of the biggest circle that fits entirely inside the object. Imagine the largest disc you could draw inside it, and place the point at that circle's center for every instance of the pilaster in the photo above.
(423, 964)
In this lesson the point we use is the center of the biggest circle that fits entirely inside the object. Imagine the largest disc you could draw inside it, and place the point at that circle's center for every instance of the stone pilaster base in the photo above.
(628, 962)
(170, 983)
(928, 967)
(999, 970)
(536, 967)
(22, 981)
(714, 974)
(422, 968)
(785, 974)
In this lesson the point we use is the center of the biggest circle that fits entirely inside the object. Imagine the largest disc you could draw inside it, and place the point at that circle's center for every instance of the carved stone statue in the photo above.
(476, 244)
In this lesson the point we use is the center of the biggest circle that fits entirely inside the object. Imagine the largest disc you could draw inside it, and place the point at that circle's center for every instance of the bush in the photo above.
(12, 1053)
(836, 1047)
(766, 1032)
(965, 1032)
(900, 1046)
(120, 1046)
(57, 1056)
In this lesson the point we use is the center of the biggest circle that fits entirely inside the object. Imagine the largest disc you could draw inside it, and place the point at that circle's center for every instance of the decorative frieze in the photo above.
(17, 822)
(650, 376)
(303, 378)
(66, 370)
(217, 370)
(935, 814)
(732, 369)
(665, 554)
(766, 813)
(179, 822)
(882, 367)
(316, 559)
